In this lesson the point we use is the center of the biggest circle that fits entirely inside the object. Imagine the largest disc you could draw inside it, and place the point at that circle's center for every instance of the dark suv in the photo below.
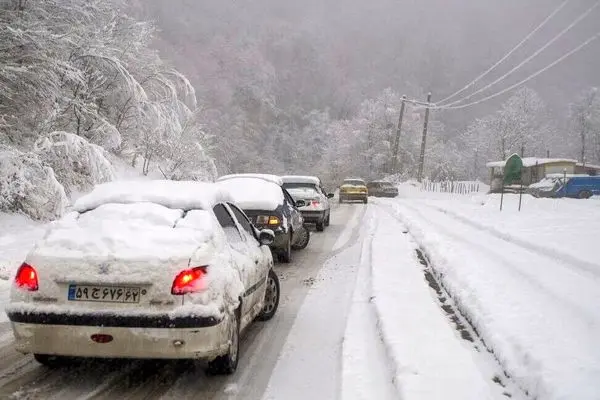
(382, 189)
(270, 206)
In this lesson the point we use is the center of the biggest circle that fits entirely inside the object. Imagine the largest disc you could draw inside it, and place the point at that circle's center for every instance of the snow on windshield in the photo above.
(172, 194)
(127, 231)
(253, 193)
(301, 193)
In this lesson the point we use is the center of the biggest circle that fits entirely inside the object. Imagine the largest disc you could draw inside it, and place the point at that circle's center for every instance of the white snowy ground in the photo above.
(17, 235)
(529, 282)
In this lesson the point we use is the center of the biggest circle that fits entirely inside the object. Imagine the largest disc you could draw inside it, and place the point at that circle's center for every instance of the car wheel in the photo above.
(366, 200)
(51, 361)
(227, 363)
(585, 194)
(328, 219)
(320, 226)
(304, 239)
(285, 255)
(271, 297)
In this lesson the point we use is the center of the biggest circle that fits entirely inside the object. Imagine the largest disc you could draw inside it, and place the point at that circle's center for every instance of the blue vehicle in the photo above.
(580, 187)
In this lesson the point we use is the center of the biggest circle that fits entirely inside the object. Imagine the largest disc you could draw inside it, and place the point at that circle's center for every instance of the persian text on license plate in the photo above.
(109, 294)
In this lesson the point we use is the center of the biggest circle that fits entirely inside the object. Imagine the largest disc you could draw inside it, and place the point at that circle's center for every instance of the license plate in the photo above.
(105, 294)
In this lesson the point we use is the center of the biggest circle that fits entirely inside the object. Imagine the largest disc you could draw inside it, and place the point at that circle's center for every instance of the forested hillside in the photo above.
(188, 89)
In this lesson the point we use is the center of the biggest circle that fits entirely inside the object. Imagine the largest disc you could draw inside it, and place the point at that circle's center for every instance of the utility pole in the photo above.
(424, 140)
(397, 139)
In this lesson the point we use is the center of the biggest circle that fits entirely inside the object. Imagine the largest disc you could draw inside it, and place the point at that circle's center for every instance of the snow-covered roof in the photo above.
(590, 166)
(184, 195)
(267, 177)
(301, 179)
(253, 193)
(531, 161)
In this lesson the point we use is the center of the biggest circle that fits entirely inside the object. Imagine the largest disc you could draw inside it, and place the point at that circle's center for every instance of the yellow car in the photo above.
(354, 189)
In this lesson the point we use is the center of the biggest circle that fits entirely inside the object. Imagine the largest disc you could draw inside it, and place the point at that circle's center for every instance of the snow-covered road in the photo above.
(400, 299)
(269, 349)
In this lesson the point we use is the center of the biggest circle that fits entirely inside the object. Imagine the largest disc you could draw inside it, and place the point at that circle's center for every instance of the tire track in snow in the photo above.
(531, 277)
(553, 254)
(461, 321)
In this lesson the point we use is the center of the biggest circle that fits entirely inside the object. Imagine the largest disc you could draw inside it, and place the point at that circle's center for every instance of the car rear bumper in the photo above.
(353, 196)
(313, 217)
(133, 337)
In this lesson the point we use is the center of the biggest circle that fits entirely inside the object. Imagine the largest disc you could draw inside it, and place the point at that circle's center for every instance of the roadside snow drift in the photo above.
(529, 282)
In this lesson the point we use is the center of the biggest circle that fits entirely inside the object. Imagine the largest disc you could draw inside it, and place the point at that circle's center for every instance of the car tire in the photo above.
(321, 226)
(328, 219)
(365, 200)
(272, 295)
(584, 194)
(51, 361)
(285, 255)
(303, 242)
(227, 363)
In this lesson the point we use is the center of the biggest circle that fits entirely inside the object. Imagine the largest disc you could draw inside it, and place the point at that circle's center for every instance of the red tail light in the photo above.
(27, 278)
(189, 281)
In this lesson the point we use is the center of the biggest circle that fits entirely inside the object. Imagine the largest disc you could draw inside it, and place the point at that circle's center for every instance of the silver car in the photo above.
(309, 189)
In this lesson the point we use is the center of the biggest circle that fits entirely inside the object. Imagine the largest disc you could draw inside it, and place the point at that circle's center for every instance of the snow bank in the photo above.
(171, 194)
(28, 186)
(537, 311)
(17, 237)
(77, 163)
(253, 193)
(431, 360)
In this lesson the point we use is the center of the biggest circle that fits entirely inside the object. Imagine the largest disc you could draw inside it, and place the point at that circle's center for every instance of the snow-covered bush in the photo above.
(28, 186)
(77, 163)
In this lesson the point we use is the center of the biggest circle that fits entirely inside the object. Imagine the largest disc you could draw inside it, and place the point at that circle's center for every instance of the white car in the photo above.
(154, 269)
(309, 188)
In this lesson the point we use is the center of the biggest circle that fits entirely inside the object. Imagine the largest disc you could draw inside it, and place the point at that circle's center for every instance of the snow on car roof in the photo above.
(184, 195)
(531, 161)
(253, 193)
(267, 177)
(301, 179)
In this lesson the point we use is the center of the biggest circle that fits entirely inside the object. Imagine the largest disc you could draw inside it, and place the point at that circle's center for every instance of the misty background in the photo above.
(187, 89)
(284, 60)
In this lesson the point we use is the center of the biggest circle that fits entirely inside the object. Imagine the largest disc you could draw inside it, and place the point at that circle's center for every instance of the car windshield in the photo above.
(355, 182)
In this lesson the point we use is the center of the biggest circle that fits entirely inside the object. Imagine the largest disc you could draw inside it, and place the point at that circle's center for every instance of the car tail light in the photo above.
(27, 278)
(189, 281)
(273, 220)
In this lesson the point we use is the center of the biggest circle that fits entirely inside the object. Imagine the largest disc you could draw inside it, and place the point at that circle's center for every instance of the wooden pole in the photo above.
(424, 139)
(397, 138)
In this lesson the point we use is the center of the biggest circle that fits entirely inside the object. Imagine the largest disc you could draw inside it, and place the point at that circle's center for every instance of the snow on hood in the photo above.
(132, 232)
(253, 193)
(185, 195)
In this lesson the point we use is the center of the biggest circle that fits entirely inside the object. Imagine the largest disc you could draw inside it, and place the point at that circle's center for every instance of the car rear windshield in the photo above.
(296, 185)
(355, 182)
(301, 193)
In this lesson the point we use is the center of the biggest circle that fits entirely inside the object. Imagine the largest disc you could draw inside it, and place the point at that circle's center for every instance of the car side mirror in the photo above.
(266, 237)
(300, 203)
(330, 195)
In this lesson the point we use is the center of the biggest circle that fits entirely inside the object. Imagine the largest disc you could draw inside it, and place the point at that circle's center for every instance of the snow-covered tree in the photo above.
(585, 125)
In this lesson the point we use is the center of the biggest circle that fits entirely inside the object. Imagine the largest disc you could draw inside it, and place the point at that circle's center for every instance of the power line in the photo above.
(518, 46)
(531, 57)
(530, 77)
